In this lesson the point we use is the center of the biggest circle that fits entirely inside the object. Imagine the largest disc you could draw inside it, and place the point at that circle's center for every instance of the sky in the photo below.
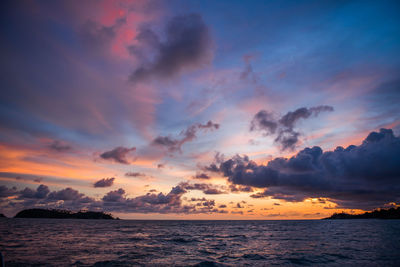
(200, 109)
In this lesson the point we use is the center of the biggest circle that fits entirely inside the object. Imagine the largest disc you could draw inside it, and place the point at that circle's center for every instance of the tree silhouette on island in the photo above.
(63, 214)
(393, 213)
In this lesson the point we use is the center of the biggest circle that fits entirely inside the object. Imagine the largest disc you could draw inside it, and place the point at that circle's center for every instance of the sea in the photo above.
(69, 242)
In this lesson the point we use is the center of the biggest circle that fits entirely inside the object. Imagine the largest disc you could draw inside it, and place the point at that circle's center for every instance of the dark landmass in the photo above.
(2, 215)
(393, 213)
(63, 214)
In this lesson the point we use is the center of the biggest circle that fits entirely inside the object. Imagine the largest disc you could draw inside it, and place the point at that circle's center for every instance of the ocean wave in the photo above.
(209, 264)
(198, 243)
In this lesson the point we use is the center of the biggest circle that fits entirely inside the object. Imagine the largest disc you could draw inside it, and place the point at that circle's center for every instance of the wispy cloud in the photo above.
(283, 127)
(118, 154)
(105, 182)
(175, 144)
(188, 45)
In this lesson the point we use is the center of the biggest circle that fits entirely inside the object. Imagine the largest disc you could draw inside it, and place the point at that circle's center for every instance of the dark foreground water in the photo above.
(54, 242)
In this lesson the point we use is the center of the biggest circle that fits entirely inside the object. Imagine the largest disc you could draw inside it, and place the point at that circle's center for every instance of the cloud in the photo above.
(264, 121)
(187, 46)
(365, 176)
(290, 118)
(105, 182)
(201, 176)
(169, 142)
(208, 125)
(118, 154)
(213, 167)
(42, 197)
(160, 203)
(38, 180)
(12, 200)
(175, 144)
(208, 189)
(240, 188)
(6, 192)
(114, 196)
(283, 127)
(41, 192)
(135, 174)
(66, 194)
(59, 146)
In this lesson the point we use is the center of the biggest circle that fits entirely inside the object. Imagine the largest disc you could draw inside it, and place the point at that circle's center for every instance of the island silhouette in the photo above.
(392, 213)
(63, 214)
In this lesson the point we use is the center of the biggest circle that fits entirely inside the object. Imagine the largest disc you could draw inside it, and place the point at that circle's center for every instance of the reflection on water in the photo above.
(53, 242)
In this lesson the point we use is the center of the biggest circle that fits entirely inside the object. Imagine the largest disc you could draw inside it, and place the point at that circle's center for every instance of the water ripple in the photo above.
(84, 243)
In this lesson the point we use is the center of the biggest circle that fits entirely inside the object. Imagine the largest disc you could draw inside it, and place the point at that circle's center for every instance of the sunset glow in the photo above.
(200, 109)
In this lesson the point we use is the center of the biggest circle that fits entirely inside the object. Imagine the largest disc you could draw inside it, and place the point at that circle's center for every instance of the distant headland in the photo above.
(63, 214)
(393, 213)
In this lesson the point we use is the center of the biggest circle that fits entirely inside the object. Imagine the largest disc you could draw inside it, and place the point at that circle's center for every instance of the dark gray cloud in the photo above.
(264, 121)
(213, 167)
(209, 125)
(114, 196)
(6, 192)
(42, 197)
(365, 176)
(201, 176)
(208, 189)
(135, 174)
(283, 127)
(197, 199)
(41, 192)
(118, 154)
(67, 194)
(105, 182)
(187, 45)
(38, 180)
(290, 118)
(151, 202)
(175, 144)
(13, 200)
(60, 146)
(238, 206)
(207, 203)
(240, 188)
(168, 142)
(288, 139)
